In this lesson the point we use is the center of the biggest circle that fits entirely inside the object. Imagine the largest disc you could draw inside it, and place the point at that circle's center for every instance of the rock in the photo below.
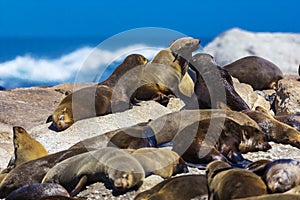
(287, 98)
(249, 96)
(80, 130)
(283, 49)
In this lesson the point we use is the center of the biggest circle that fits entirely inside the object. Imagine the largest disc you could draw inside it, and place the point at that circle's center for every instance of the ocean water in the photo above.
(26, 62)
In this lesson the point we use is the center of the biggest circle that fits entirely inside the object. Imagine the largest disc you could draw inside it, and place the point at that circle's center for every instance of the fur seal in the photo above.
(183, 187)
(33, 171)
(228, 183)
(214, 86)
(275, 130)
(256, 71)
(282, 175)
(187, 129)
(292, 120)
(165, 75)
(133, 137)
(95, 100)
(121, 168)
(129, 63)
(160, 161)
(88, 102)
(37, 191)
(25, 147)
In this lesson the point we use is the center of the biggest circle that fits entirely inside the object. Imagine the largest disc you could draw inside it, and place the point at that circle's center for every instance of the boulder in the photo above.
(288, 98)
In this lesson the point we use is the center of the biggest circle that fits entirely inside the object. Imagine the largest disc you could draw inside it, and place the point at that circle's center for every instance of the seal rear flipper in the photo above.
(82, 182)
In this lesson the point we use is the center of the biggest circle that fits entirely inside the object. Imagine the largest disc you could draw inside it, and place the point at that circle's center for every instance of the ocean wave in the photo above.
(86, 64)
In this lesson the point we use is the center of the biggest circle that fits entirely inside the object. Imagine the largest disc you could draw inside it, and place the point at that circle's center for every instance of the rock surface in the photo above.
(249, 96)
(56, 141)
(283, 49)
(288, 98)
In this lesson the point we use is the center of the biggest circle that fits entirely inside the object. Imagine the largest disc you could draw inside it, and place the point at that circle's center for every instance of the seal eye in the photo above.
(62, 117)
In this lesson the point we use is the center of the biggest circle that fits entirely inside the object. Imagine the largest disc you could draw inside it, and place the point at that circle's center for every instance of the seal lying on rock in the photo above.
(33, 171)
(37, 191)
(214, 86)
(256, 71)
(133, 137)
(160, 161)
(118, 166)
(25, 147)
(181, 187)
(275, 130)
(282, 175)
(226, 183)
(165, 75)
(95, 100)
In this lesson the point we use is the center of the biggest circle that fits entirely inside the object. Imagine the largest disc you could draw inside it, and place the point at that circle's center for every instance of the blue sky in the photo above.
(96, 18)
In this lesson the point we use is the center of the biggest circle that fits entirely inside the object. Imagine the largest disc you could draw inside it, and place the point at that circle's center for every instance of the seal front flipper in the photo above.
(82, 182)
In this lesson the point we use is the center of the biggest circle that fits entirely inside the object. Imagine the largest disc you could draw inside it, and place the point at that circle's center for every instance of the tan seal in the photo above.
(275, 130)
(26, 148)
(227, 183)
(160, 161)
(119, 167)
(181, 187)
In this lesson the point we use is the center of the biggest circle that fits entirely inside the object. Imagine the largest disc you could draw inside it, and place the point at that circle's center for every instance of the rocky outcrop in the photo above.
(288, 98)
(283, 49)
(249, 96)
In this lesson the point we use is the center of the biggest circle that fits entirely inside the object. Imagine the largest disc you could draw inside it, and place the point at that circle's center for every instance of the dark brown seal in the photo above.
(33, 171)
(275, 130)
(37, 191)
(292, 120)
(282, 175)
(256, 71)
(109, 163)
(214, 86)
(229, 131)
(229, 183)
(182, 187)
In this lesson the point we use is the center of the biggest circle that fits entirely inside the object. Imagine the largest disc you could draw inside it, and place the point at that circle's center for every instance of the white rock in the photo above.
(283, 49)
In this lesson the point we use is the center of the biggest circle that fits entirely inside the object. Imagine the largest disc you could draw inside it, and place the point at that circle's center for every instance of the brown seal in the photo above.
(95, 100)
(181, 187)
(165, 75)
(291, 120)
(121, 168)
(275, 130)
(160, 161)
(214, 86)
(187, 130)
(133, 137)
(37, 191)
(256, 71)
(25, 147)
(33, 171)
(282, 175)
(227, 183)
(130, 62)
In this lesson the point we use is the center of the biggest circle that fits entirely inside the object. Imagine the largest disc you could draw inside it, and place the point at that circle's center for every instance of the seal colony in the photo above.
(211, 132)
